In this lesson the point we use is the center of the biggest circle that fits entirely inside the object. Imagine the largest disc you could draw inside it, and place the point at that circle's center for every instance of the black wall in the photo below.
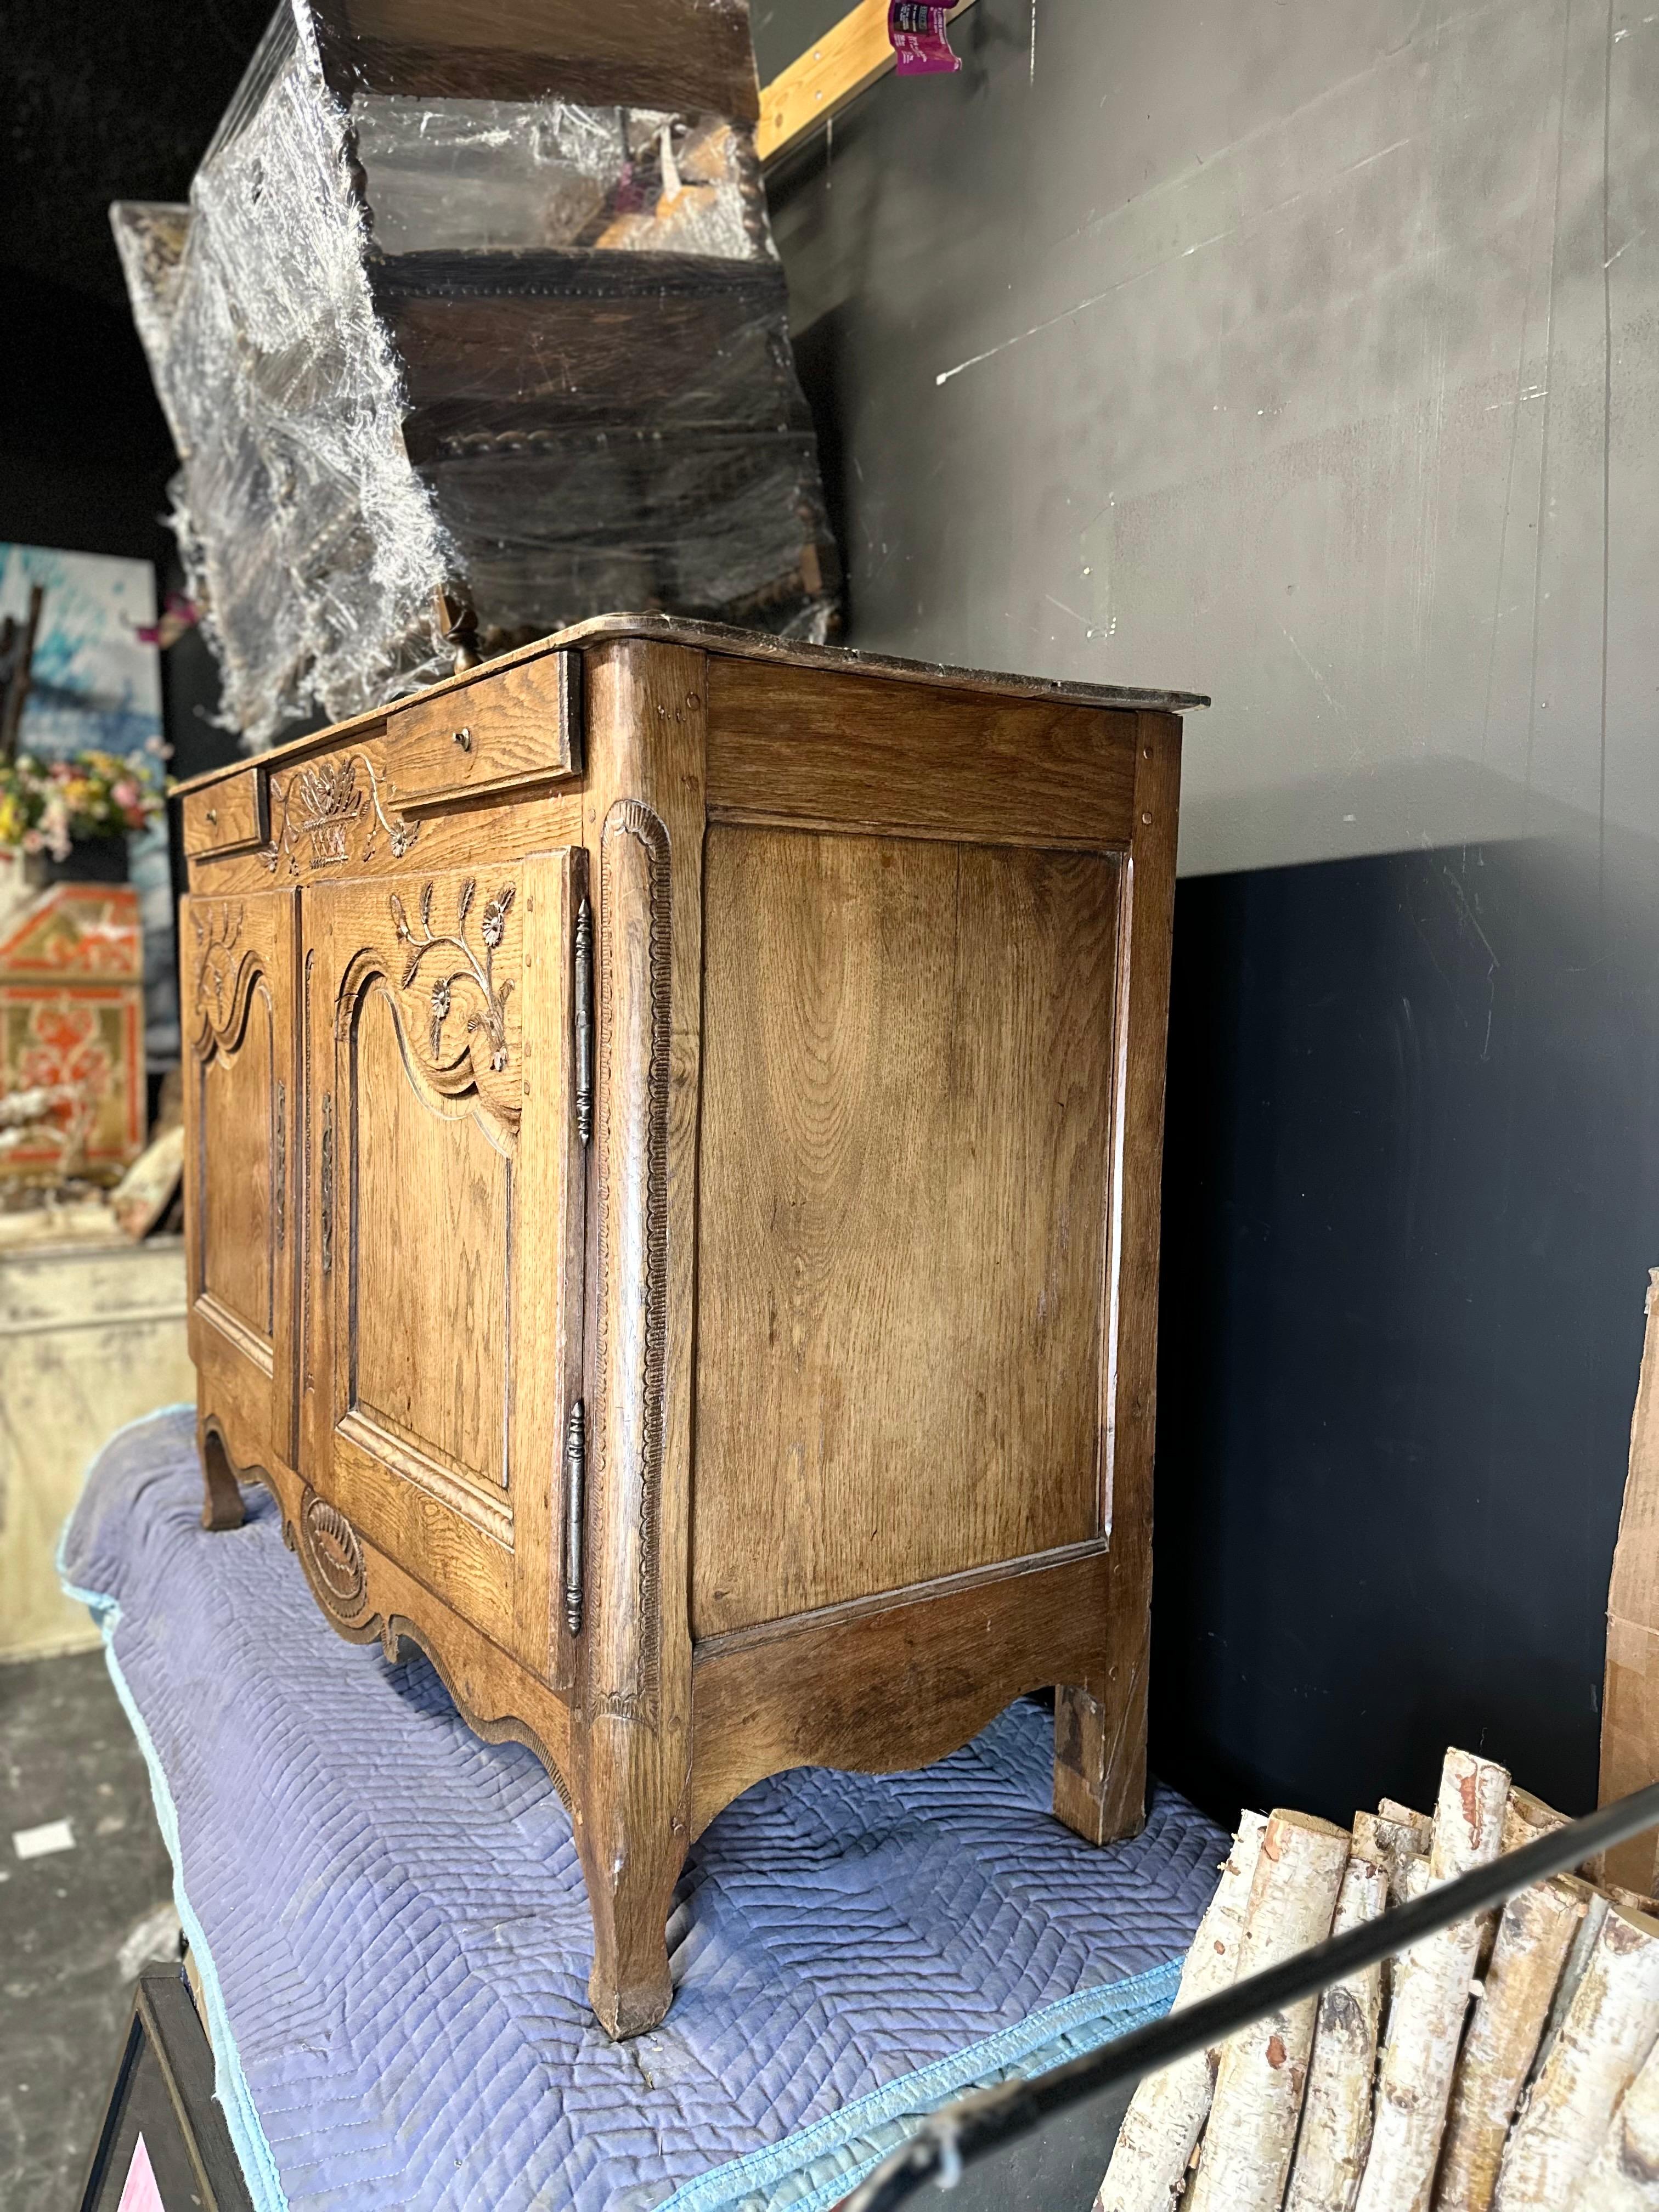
(1411, 1198)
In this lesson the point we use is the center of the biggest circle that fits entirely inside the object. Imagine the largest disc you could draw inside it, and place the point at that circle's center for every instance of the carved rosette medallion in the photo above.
(332, 1555)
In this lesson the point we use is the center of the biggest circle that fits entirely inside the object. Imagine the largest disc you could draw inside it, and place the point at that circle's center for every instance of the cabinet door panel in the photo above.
(237, 958)
(444, 1257)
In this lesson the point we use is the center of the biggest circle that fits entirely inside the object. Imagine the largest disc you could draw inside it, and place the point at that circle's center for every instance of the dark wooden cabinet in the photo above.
(674, 1139)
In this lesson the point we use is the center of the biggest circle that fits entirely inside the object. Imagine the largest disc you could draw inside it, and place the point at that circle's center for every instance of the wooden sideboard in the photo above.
(674, 1131)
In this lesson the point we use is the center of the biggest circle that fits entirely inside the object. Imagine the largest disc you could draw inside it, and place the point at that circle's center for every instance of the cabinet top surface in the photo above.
(738, 644)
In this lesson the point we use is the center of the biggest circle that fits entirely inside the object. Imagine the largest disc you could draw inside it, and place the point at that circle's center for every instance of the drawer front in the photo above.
(522, 726)
(228, 816)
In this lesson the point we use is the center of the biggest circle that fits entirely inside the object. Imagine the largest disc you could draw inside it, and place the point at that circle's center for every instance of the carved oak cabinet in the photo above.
(674, 1124)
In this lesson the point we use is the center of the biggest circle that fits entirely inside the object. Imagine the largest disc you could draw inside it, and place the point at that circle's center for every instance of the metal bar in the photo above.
(953, 2138)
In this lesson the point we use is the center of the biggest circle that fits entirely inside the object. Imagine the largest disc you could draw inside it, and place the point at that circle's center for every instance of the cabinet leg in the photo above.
(1100, 1762)
(631, 1865)
(221, 1502)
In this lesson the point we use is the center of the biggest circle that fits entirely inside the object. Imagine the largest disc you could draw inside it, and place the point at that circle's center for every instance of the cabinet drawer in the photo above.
(228, 816)
(522, 726)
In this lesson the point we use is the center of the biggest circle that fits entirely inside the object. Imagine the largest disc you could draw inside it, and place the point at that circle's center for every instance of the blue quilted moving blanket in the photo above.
(391, 1926)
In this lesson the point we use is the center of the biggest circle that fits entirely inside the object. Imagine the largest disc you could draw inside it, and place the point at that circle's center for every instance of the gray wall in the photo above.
(1268, 349)
(1306, 354)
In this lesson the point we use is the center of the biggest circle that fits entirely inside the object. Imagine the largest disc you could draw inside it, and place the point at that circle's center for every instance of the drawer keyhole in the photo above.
(463, 740)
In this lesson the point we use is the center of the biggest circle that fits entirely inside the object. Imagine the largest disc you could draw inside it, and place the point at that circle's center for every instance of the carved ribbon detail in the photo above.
(636, 1032)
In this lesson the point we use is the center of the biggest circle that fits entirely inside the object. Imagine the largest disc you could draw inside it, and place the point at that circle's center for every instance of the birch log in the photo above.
(1526, 1818)
(1597, 1905)
(1245, 2153)
(1167, 2112)
(1623, 2175)
(1393, 1844)
(1420, 1825)
(1534, 1938)
(1336, 2111)
(1606, 2038)
(1430, 1998)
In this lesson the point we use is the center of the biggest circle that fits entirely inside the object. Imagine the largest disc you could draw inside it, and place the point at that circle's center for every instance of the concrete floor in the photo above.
(66, 1753)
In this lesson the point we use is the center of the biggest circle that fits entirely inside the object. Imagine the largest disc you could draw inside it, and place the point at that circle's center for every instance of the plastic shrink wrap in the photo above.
(480, 296)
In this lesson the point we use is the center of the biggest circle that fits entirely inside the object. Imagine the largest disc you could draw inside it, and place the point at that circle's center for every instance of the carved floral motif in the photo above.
(218, 932)
(420, 939)
(322, 803)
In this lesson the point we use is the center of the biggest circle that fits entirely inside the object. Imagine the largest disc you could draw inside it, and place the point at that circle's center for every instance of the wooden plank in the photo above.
(1630, 1705)
(903, 1194)
(721, 639)
(833, 751)
(1100, 1748)
(844, 63)
(880, 1688)
(523, 730)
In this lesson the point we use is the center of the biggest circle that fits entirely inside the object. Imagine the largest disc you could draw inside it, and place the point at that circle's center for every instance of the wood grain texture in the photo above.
(721, 641)
(848, 752)
(237, 967)
(1630, 1703)
(522, 729)
(904, 1174)
(671, 54)
(881, 1688)
(862, 1200)
(645, 824)
(429, 1301)
(1104, 1795)
(229, 818)
(846, 61)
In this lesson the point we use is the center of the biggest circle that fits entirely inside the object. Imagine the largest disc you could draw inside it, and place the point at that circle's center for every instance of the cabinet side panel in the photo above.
(903, 1200)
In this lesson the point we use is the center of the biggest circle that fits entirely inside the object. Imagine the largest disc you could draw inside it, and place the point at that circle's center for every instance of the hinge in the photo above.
(576, 1491)
(582, 963)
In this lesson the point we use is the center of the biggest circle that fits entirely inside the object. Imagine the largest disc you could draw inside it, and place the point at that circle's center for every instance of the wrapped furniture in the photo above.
(482, 298)
(673, 1122)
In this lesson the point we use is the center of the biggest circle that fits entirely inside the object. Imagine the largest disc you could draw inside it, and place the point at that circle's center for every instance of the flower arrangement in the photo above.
(45, 805)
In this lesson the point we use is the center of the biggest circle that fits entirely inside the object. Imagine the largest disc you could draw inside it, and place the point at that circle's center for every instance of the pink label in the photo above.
(915, 30)
(141, 2194)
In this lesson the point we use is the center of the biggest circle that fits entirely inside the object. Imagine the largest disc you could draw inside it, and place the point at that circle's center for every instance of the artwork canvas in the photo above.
(96, 683)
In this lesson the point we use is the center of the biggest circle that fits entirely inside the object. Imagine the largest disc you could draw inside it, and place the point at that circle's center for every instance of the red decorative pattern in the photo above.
(71, 1026)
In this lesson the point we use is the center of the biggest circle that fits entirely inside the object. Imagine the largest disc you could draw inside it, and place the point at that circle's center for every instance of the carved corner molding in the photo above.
(635, 1028)
(320, 808)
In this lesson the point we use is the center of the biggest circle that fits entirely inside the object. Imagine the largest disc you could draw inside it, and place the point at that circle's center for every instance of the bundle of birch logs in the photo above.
(1509, 2062)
